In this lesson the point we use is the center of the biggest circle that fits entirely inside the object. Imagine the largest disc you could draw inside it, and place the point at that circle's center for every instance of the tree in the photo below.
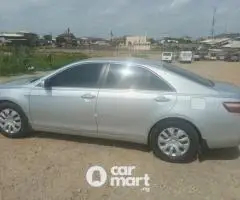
(47, 37)
(66, 39)
(151, 40)
(32, 39)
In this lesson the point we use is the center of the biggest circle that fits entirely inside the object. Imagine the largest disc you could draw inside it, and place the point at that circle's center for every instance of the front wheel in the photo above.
(175, 141)
(13, 121)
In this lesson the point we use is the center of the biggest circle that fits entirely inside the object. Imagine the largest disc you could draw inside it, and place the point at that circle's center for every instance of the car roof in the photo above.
(133, 60)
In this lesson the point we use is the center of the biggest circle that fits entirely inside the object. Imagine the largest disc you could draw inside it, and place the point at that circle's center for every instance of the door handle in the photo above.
(88, 96)
(162, 99)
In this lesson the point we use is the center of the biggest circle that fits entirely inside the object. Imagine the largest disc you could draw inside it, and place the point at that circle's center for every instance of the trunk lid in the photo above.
(225, 88)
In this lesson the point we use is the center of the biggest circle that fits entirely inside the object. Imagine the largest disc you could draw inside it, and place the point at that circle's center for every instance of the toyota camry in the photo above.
(174, 111)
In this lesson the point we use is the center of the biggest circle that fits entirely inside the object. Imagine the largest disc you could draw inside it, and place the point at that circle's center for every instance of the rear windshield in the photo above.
(189, 75)
(167, 54)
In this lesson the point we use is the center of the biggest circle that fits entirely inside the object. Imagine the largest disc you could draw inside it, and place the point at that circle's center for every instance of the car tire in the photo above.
(191, 138)
(16, 119)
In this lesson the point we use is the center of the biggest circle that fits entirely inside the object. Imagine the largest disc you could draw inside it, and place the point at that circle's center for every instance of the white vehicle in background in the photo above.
(167, 56)
(186, 56)
(212, 56)
(196, 57)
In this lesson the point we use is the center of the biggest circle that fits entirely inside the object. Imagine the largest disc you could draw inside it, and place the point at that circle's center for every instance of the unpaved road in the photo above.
(50, 166)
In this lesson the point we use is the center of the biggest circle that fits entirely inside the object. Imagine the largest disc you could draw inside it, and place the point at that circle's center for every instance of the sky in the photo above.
(154, 18)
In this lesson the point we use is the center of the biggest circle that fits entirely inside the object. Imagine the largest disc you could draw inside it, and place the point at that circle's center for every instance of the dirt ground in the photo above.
(50, 166)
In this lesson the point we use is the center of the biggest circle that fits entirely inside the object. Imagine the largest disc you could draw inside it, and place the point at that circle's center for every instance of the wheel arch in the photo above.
(12, 102)
(26, 127)
(15, 103)
(8, 101)
(175, 119)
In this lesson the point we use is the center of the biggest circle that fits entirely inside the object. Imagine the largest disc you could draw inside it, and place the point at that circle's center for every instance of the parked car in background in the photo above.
(221, 56)
(167, 57)
(196, 57)
(234, 57)
(174, 111)
(227, 57)
(206, 57)
(203, 55)
(212, 56)
(186, 56)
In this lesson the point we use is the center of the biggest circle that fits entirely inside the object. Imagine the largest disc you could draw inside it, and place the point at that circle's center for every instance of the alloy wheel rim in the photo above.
(173, 142)
(10, 121)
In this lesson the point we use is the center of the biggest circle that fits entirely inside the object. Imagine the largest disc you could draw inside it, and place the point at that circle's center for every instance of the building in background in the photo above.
(138, 43)
(19, 38)
(92, 41)
(66, 39)
(233, 44)
(216, 42)
(12, 38)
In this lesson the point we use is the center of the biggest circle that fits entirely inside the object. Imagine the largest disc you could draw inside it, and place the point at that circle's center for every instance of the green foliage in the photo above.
(55, 61)
(47, 37)
(32, 39)
(16, 60)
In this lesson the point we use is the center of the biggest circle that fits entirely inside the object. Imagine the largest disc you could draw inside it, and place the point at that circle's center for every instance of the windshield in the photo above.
(189, 75)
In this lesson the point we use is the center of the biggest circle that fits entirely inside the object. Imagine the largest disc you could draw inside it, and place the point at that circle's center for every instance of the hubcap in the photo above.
(173, 142)
(10, 121)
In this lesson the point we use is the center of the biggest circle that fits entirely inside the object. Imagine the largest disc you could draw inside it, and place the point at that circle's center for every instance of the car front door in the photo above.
(131, 100)
(69, 102)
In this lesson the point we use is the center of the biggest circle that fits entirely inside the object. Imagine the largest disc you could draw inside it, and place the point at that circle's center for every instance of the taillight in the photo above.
(233, 107)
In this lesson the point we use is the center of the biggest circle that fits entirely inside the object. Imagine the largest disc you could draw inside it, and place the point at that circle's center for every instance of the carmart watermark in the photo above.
(121, 176)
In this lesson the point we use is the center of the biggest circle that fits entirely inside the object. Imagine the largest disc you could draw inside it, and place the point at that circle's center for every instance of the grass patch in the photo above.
(17, 60)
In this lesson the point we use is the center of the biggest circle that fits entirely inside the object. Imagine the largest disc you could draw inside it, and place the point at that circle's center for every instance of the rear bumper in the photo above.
(230, 142)
(185, 61)
(167, 61)
(223, 135)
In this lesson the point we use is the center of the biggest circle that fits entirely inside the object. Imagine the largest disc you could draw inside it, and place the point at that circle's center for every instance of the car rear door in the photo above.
(69, 104)
(130, 101)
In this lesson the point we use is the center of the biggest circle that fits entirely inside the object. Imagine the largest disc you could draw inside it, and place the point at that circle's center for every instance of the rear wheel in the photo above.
(175, 141)
(13, 121)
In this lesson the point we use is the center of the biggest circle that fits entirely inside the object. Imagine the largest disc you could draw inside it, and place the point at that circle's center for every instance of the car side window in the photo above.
(133, 77)
(85, 75)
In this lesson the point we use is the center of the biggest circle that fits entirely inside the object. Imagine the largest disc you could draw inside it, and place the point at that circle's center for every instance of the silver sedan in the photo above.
(172, 110)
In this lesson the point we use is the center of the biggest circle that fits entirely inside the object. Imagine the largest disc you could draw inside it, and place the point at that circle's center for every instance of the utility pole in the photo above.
(226, 28)
(213, 22)
(111, 35)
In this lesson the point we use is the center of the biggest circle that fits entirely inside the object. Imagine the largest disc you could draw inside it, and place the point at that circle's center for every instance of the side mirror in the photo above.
(45, 83)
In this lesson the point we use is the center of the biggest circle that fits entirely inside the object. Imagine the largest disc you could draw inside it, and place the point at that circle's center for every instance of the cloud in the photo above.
(177, 3)
(97, 18)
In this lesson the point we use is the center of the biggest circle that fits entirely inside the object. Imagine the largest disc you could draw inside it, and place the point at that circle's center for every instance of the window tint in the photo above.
(122, 77)
(86, 75)
(189, 75)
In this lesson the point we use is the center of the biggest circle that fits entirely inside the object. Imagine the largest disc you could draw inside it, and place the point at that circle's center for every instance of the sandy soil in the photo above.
(50, 166)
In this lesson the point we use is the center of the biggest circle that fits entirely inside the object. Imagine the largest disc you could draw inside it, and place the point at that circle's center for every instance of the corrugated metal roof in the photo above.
(232, 44)
(11, 35)
(215, 41)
